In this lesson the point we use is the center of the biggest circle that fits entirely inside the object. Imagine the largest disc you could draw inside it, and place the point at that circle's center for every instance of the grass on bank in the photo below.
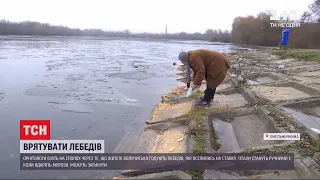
(198, 116)
(197, 94)
(198, 130)
(308, 55)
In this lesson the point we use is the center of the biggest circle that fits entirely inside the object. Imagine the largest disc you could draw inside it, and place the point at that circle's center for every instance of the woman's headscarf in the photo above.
(183, 57)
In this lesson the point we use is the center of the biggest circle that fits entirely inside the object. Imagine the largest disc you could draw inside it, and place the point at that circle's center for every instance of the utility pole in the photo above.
(165, 36)
(166, 32)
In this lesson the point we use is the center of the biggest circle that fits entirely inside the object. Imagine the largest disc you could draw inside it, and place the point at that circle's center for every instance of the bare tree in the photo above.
(313, 15)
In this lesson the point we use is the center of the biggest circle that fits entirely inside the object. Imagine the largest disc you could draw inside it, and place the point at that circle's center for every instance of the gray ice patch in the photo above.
(71, 106)
(135, 75)
(43, 91)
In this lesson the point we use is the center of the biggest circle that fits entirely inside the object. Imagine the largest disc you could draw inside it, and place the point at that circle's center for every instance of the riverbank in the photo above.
(301, 54)
(263, 93)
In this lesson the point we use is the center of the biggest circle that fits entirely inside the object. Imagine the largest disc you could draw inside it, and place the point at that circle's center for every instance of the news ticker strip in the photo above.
(149, 161)
(62, 146)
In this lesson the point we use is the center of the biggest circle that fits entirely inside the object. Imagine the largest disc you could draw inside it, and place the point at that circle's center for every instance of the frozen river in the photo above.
(83, 85)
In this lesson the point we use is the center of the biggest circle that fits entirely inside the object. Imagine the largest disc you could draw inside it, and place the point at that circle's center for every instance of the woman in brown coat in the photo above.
(209, 65)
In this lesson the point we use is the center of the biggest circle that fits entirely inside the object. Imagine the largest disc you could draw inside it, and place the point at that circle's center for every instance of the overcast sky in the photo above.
(143, 15)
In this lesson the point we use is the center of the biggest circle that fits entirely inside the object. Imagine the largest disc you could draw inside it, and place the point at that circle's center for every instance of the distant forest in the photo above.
(45, 29)
(256, 30)
(252, 30)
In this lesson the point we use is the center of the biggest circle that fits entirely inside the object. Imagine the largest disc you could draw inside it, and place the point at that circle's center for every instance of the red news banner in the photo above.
(34, 129)
(35, 138)
(39, 152)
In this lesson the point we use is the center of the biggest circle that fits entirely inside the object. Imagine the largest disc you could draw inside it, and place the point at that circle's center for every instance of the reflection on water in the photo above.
(310, 117)
(226, 135)
(82, 82)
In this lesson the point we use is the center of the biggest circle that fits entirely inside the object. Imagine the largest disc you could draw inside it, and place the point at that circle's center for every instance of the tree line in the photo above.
(257, 30)
(252, 30)
(30, 28)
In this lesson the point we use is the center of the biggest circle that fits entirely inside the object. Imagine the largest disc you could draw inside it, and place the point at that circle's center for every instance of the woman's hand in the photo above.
(194, 87)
